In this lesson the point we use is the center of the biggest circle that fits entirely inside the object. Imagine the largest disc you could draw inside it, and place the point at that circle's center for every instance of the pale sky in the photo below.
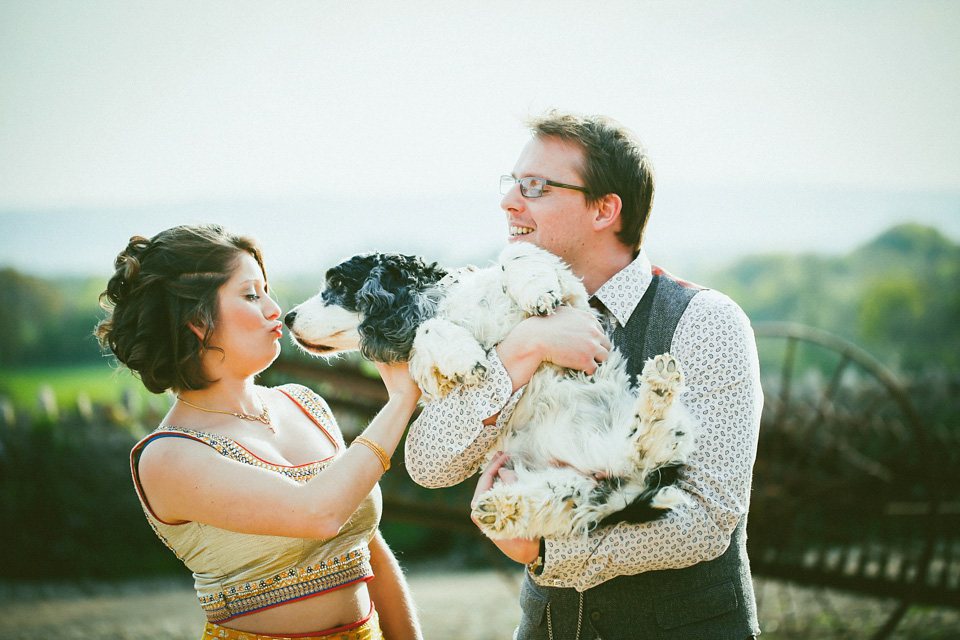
(127, 103)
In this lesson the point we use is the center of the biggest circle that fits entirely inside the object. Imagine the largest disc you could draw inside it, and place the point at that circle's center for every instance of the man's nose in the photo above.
(512, 200)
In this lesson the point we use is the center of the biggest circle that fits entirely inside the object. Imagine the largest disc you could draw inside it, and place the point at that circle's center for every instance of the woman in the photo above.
(253, 488)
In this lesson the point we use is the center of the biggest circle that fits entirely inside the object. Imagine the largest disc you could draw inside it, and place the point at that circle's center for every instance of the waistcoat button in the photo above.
(595, 615)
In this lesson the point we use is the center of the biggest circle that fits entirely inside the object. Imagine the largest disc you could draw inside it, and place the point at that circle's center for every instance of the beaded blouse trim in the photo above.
(233, 450)
(292, 584)
(230, 449)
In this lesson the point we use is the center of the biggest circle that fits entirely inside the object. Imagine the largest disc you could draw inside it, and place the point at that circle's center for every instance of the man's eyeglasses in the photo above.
(532, 187)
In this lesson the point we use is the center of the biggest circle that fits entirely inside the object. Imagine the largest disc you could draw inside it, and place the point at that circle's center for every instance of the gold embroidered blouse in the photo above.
(239, 573)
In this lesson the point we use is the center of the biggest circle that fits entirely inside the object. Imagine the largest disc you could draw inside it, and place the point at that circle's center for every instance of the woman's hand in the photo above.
(396, 378)
(522, 550)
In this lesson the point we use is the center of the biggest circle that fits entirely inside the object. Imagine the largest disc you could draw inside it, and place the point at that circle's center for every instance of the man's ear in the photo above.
(608, 211)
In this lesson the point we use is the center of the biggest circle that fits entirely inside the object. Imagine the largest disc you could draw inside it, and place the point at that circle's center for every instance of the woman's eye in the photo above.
(252, 296)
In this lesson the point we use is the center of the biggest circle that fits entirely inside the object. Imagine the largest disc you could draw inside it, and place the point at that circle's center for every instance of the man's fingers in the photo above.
(486, 478)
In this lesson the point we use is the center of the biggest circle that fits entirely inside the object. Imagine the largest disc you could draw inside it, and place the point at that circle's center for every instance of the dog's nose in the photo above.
(288, 319)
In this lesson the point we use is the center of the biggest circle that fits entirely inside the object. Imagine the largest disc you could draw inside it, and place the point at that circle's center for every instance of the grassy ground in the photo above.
(102, 383)
(463, 605)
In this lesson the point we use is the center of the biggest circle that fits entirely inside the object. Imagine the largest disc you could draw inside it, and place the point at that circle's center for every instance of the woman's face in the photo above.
(247, 328)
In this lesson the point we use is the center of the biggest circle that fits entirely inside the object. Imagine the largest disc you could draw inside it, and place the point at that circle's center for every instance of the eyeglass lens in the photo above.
(530, 187)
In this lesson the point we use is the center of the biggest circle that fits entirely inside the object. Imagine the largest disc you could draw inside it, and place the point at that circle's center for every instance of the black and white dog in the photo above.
(586, 449)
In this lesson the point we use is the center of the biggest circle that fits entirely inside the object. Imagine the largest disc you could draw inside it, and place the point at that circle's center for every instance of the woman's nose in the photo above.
(272, 310)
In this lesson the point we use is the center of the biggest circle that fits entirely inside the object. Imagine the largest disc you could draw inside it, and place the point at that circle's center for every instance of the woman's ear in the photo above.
(198, 329)
(608, 211)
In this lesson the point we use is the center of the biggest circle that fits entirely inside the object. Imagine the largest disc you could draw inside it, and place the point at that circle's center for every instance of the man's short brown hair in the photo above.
(614, 162)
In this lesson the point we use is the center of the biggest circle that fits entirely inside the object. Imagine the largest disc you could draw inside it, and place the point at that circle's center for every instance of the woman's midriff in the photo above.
(316, 613)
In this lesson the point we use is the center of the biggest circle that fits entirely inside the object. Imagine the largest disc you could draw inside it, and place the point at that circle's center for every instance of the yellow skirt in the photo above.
(366, 629)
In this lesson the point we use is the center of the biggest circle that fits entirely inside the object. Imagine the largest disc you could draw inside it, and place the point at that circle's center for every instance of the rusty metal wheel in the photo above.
(842, 495)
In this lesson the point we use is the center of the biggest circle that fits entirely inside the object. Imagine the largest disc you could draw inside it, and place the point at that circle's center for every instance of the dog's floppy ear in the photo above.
(419, 301)
(372, 298)
(396, 298)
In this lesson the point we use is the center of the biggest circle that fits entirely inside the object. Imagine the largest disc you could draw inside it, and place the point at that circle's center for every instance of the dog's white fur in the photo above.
(334, 326)
(569, 431)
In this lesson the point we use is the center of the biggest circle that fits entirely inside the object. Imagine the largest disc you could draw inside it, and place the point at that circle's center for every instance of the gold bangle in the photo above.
(377, 449)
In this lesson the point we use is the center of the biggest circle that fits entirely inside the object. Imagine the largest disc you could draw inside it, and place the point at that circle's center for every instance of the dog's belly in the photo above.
(573, 419)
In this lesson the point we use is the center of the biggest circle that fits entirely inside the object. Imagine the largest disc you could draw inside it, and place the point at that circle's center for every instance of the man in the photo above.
(583, 189)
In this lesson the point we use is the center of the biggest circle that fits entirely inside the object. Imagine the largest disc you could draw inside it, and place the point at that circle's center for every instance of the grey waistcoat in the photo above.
(711, 600)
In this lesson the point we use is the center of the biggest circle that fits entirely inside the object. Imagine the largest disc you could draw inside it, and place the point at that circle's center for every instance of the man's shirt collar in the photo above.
(621, 293)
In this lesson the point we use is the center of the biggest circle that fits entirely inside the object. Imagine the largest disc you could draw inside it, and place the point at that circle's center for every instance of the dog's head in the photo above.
(373, 302)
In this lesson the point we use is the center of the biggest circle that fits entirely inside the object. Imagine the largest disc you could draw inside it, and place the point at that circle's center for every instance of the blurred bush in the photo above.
(67, 499)
(70, 509)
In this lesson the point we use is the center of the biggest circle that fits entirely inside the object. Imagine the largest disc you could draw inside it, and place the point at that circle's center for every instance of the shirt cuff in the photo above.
(570, 553)
(495, 393)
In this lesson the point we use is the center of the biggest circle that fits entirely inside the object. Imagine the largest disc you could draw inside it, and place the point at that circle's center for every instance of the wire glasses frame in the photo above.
(532, 187)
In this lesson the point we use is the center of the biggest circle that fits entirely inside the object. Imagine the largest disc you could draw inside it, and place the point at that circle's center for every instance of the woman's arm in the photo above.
(185, 481)
(391, 595)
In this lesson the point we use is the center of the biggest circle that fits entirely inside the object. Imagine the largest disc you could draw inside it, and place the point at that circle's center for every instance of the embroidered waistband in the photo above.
(292, 584)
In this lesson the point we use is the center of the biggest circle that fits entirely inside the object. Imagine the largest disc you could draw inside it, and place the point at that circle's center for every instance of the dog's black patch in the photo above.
(639, 510)
(394, 293)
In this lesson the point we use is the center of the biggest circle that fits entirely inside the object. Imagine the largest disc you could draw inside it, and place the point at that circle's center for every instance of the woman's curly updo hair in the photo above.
(161, 286)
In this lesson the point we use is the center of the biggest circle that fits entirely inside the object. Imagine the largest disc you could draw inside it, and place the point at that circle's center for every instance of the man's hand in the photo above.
(522, 550)
(568, 337)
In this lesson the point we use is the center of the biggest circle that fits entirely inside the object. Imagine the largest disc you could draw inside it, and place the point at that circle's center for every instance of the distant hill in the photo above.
(693, 228)
(897, 295)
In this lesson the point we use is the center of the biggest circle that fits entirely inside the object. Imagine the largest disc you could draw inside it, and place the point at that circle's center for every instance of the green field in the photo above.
(101, 382)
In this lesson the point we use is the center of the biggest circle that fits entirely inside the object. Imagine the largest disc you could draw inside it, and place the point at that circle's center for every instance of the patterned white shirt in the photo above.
(714, 344)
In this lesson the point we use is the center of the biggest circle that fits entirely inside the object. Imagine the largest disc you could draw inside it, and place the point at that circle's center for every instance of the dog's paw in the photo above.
(445, 355)
(467, 366)
(540, 303)
(535, 279)
(432, 384)
(663, 431)
(661, 382)
(436, 382)
(669, 498)
(499, 513)
(476, 373)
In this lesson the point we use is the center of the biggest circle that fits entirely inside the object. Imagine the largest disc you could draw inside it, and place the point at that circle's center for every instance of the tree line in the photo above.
(898, 296)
